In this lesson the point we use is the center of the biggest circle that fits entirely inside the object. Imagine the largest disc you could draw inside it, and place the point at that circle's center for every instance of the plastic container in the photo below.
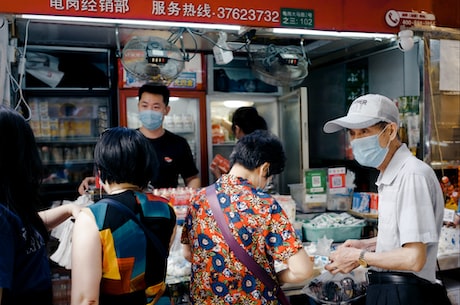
(338, 234)
(340, 202)
(307, 203)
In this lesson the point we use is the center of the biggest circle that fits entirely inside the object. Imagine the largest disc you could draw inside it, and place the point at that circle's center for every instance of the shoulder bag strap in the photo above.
(239, 251)
(121, 207)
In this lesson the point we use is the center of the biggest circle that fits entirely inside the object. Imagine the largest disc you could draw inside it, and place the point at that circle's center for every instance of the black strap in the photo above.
(239, 251)
(121, 207)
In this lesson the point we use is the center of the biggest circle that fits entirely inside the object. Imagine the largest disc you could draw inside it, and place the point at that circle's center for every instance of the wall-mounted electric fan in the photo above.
(153, 59)
(280, 66)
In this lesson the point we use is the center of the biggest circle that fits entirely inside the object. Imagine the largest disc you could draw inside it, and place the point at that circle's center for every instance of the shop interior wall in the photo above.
(391, 72)
(394, 73)
(327, 100)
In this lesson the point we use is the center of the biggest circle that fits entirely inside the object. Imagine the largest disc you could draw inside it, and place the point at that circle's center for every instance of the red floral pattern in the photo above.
(259, 224)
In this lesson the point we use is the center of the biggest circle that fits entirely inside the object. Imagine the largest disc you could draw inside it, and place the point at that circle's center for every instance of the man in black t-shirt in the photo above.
(172, 150)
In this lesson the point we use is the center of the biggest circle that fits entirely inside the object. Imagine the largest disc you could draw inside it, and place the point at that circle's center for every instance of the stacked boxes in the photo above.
(339, 194)
(365, 202)
(311, 197)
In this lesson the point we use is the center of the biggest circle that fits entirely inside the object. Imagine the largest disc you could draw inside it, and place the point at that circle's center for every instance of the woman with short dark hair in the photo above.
(256, 221)
(114, 258)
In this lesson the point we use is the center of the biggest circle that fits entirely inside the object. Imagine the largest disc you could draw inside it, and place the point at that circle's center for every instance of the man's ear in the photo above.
(167, 109)
(394, 131)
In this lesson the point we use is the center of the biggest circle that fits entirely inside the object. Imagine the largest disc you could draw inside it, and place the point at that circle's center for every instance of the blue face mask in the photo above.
(151, 119)
(368, 152)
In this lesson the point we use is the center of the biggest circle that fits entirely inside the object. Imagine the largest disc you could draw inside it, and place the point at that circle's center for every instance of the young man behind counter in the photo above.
(173, 151)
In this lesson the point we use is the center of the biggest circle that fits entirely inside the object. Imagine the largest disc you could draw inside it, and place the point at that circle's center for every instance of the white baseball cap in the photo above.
(365, 111)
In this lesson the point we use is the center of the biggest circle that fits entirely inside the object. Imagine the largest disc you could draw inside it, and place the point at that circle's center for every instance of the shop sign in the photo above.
(297, 18)
(337, 15)
(403, 19)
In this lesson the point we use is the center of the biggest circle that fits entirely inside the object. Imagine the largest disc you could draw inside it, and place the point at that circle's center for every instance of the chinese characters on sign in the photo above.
(409, 19)
(185, 80)
(103, 6)
(173, 9)
(297, 18)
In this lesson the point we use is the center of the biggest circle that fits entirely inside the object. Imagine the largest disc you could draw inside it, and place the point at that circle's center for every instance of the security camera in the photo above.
(406, 40)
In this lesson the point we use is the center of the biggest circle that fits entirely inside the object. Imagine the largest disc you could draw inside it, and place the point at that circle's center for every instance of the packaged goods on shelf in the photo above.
(340, 189)
(365, 202)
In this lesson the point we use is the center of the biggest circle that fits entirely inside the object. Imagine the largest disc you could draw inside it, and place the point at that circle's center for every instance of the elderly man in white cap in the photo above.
(402, 258)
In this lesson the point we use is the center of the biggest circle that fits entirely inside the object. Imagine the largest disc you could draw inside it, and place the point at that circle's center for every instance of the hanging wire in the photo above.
(117, 41)
(304, 52)
(427, 52)
(214, 43)
(21, 75)
(179, 36)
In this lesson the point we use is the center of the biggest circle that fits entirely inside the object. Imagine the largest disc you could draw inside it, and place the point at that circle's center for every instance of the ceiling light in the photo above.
(332, 33)
(237, 104)
(132, 22)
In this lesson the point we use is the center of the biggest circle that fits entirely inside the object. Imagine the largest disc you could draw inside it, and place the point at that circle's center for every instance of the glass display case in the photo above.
(68, 92)
(442, 106)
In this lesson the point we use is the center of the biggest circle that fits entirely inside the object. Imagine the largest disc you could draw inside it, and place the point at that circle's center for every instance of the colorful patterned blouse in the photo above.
(259, 224)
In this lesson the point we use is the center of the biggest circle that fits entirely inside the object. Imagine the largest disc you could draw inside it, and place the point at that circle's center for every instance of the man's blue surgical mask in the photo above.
(368, 152)
(151, 119)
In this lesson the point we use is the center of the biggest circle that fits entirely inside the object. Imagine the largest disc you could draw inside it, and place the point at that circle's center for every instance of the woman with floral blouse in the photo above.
(257, 222)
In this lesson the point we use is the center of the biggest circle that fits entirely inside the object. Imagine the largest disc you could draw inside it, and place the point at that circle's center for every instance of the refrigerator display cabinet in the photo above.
(186, 118)
(286, 116)
(234, 85)
(67, 116)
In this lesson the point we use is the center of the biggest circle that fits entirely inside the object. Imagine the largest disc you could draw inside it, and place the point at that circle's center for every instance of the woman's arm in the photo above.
(193, 182)
(187, 252)
(299, 268)
(55, 216)
(86, 260)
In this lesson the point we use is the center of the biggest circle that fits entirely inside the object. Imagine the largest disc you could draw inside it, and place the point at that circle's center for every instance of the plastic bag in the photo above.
(328, 288)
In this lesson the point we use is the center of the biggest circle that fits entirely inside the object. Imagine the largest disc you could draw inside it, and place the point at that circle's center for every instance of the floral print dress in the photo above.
(258, 223)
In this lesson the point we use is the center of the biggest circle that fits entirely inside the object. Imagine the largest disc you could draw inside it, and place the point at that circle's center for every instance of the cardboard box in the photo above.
(365, 202)
(361, 202)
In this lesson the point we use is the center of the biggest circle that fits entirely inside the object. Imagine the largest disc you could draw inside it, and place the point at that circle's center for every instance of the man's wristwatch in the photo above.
(361, 260)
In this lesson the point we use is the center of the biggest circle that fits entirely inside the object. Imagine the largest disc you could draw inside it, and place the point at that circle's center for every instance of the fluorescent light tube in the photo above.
(238, 103)
(332, 33)
(169, 24)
